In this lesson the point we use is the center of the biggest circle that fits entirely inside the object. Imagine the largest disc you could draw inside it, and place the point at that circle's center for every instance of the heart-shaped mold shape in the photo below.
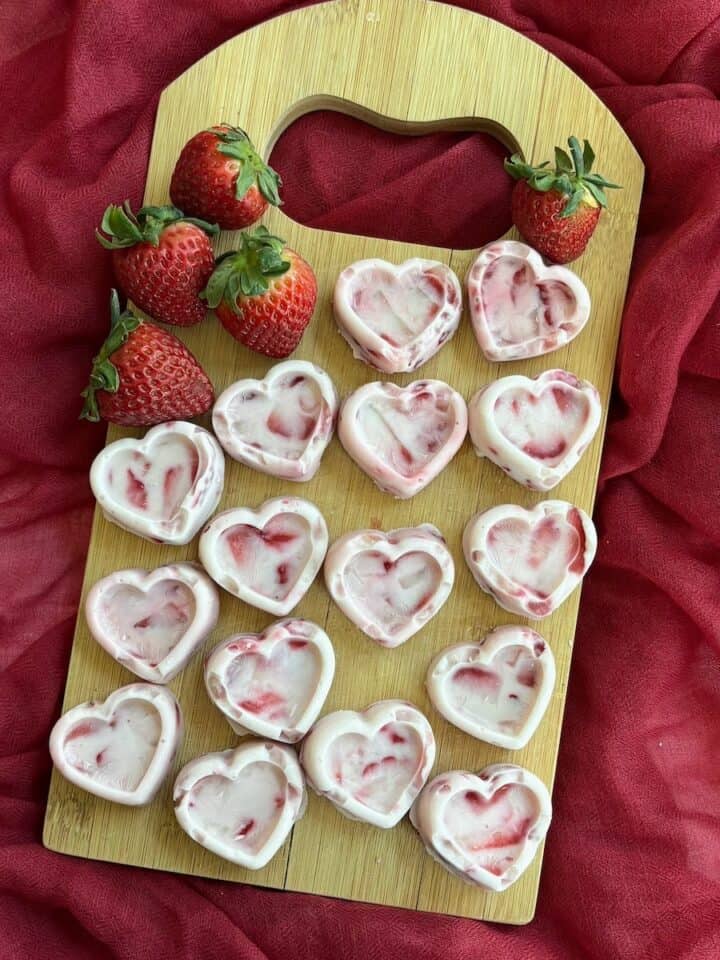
(396, 317)
(484, 828)
(496, 689)
(153, 621)
(280, 425)
(241, 804)
(519, 307)
(530, 560)
(163, 487)
(272, 684)
(267, 557)
(403, 437)
(371, 764)
(536, 429)
(120, 749)
(390, 584)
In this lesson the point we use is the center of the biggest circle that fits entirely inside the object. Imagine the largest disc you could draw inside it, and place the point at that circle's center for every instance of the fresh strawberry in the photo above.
(557, 210)
(144, 375)
(162, 260)
(219, 176)
(263, 294)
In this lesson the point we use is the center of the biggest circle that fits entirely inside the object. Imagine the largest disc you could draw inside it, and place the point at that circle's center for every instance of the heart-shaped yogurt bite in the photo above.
(496, 689)
(371, 765)
(484, 828)
(390, 584)
(396, 317)
(280, 425)
(537, 429)
(519, 307)
(403, 437)
(121, 749)
(267, 557)
(241, 804)
(530, 560)
(153, 621)
(163, 487)
(274, 683)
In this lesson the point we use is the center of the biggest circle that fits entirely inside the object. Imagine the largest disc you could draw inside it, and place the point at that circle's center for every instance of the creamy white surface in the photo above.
(115, 753)
(406, 434)
(518, 307)
(492, 832)
(543, 427)
(147, 624)
(277, 686)
(537, 557)
(279, 422)
(153, 486)
(392, 591)
(268, 560)
(501, 693)
(242, 811)
(376, 772)
(397, 308)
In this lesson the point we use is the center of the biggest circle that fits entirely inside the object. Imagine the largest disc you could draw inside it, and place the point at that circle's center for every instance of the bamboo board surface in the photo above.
(409, 66)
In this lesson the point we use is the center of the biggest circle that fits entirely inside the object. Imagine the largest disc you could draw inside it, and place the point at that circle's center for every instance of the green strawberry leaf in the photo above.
(253, 170)
(563, 162)
(247, 271)
(577, 156)
(121, 228)
(588, 157)
(104, 374)
(596, 192)
(572, 204)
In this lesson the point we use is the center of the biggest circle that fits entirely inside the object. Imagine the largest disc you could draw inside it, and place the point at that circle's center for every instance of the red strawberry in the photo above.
(143, 375)
(557, 210)
(162, 260)
(263, 294)
(219, 176)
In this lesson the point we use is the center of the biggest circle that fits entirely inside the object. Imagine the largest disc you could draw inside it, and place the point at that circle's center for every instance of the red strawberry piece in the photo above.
(557, 210)
(162, 260)
(144, 375)
(263, 293)
(220, 177)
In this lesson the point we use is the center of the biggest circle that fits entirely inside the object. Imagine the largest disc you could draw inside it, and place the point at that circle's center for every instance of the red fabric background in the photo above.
(633, 864)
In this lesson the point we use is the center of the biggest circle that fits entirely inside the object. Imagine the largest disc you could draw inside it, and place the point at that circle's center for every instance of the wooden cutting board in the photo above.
(409, 66)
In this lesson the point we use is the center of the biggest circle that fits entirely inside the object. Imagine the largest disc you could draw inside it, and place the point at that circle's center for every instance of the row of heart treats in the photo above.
(373, 765)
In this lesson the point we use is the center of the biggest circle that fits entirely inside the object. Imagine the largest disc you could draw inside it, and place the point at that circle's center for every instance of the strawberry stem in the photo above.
(121, 228)
(104, 375)
(246, 271)
(235, 143)
(571, 176)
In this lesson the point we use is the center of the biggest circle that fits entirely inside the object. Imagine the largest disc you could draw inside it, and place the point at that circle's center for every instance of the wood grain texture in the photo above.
(409, 66)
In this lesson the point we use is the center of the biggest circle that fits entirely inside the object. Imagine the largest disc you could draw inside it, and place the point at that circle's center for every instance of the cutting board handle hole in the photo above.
(350, 170)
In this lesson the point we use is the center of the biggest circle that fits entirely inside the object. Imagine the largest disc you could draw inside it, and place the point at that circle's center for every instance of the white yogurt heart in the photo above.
(530, 560)
(484, 828)
(241, 804)
(537, 429)
(267, 557)
(396, 317)
(390, 584)
(153, 621)
(120, 749)
(519, 307)
(274, 683)
(163, 487)
(496, 689)
(370, 765)
(403, 437)
(282, 424)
